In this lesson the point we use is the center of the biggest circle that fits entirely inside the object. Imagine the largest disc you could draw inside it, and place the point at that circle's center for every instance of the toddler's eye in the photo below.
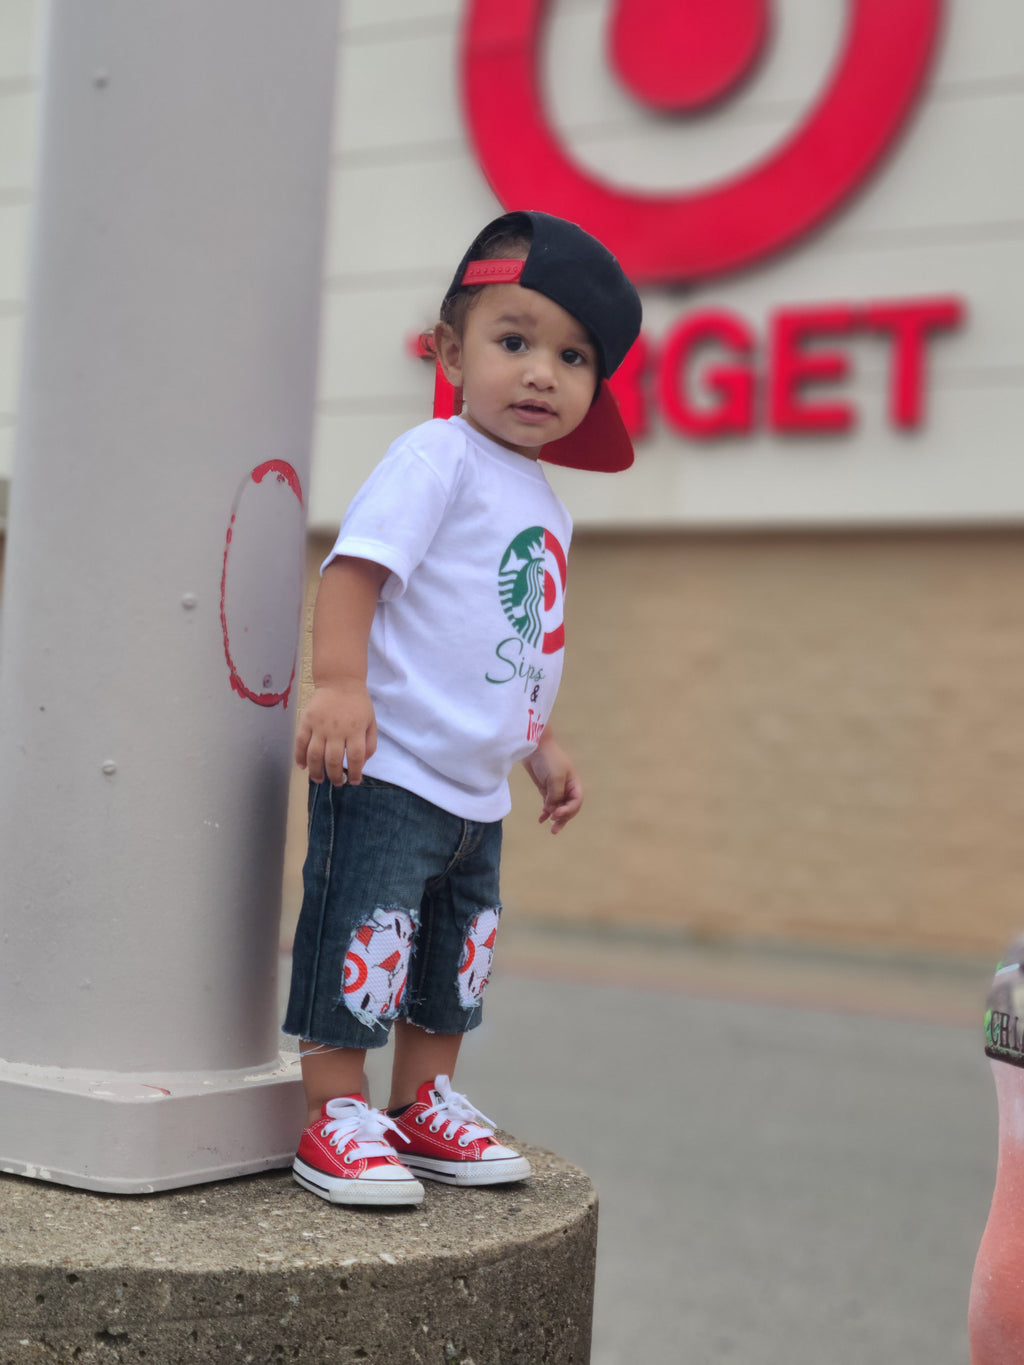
(513, 344)
(574, 357)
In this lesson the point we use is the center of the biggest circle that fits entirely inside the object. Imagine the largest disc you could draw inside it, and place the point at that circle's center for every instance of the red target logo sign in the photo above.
(678, 55)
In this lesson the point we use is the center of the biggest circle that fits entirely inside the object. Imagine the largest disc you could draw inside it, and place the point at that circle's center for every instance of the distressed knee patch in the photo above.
(477, 952)
(377, 965)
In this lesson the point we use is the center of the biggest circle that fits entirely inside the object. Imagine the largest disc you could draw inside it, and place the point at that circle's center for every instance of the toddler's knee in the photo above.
(377, 964)
(477, 953)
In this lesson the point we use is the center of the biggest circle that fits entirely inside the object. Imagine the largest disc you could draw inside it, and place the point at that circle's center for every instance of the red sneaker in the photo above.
(451, 1141)
(345, 1158)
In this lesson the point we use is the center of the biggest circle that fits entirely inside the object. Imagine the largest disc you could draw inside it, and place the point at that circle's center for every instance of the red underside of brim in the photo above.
(599, 444)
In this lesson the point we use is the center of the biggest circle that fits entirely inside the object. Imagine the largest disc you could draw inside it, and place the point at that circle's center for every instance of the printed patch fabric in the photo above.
(377, 965)
(477, 954)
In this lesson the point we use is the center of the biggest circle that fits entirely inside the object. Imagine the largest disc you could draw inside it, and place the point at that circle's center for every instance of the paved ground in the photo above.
(794, 1153)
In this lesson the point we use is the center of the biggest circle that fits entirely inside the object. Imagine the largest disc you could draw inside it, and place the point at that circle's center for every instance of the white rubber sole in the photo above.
(500, 1171)
(339, 1191)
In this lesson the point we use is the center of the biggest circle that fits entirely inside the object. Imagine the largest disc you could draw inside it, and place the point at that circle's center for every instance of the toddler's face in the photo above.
(527, 368)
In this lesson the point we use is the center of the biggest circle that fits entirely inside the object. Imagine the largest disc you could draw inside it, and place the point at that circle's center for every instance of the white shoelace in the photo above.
(455, 1110)
(355, 1119)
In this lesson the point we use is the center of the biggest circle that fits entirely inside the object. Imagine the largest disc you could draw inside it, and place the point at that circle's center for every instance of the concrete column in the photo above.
(153, 588)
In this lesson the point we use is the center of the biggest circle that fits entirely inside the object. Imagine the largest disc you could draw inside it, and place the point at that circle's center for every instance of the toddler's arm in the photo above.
(337, 729)
(556, 779)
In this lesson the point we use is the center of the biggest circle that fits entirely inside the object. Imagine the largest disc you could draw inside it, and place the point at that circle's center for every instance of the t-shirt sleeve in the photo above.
(394, 516)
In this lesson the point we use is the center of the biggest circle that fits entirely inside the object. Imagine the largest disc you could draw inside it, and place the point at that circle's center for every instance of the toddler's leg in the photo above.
(419, 1056)
(328, 1072)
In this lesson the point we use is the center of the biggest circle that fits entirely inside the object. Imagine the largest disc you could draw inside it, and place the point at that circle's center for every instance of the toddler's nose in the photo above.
(540, 373)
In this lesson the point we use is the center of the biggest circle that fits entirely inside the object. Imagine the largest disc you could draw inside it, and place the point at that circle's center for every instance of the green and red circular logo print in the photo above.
(531, 585)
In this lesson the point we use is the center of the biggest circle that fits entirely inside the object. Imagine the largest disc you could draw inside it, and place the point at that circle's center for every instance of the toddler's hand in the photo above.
(337, 730)
(557, 781)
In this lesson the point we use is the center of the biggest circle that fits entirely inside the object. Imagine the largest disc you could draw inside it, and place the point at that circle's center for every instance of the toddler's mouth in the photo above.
(532, 409)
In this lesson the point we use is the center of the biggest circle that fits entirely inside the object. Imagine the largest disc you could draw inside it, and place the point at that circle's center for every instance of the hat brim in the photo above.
(599, 444)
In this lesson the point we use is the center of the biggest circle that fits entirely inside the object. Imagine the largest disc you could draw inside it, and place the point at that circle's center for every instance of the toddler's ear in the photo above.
(448, 349)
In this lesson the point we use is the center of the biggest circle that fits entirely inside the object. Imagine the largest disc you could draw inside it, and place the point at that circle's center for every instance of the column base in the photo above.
(138, 1133)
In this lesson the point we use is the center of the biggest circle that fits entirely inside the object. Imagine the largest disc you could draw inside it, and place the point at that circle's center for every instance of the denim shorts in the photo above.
(399, 916)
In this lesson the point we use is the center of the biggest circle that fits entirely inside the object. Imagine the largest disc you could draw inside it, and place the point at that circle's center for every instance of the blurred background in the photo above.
(795, 669)
(794, 675)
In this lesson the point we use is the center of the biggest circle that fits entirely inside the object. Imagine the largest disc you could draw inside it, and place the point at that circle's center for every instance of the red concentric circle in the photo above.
(686, 236)
(356, 972)
(554, 594)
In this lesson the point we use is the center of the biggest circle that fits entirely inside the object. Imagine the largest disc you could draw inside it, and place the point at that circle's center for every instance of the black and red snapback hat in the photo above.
(577, 272)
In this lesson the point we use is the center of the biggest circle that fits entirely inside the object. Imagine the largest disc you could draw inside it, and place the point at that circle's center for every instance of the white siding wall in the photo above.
(944, 214)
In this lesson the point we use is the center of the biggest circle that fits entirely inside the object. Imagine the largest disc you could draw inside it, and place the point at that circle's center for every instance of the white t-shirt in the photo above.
(466, 647)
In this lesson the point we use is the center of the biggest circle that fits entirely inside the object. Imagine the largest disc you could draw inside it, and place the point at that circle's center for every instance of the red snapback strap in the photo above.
(493, 272)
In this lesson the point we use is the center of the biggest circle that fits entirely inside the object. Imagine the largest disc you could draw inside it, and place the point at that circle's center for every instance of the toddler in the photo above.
(437, 653)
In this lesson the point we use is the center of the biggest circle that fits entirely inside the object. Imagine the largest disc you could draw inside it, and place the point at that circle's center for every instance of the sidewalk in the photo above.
(794, 1152)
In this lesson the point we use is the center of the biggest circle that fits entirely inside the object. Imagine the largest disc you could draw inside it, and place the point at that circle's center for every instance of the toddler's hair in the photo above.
(503, 243)
(507, 242)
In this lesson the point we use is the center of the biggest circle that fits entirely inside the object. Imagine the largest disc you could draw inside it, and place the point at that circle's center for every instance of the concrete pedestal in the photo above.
(258, 1270)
